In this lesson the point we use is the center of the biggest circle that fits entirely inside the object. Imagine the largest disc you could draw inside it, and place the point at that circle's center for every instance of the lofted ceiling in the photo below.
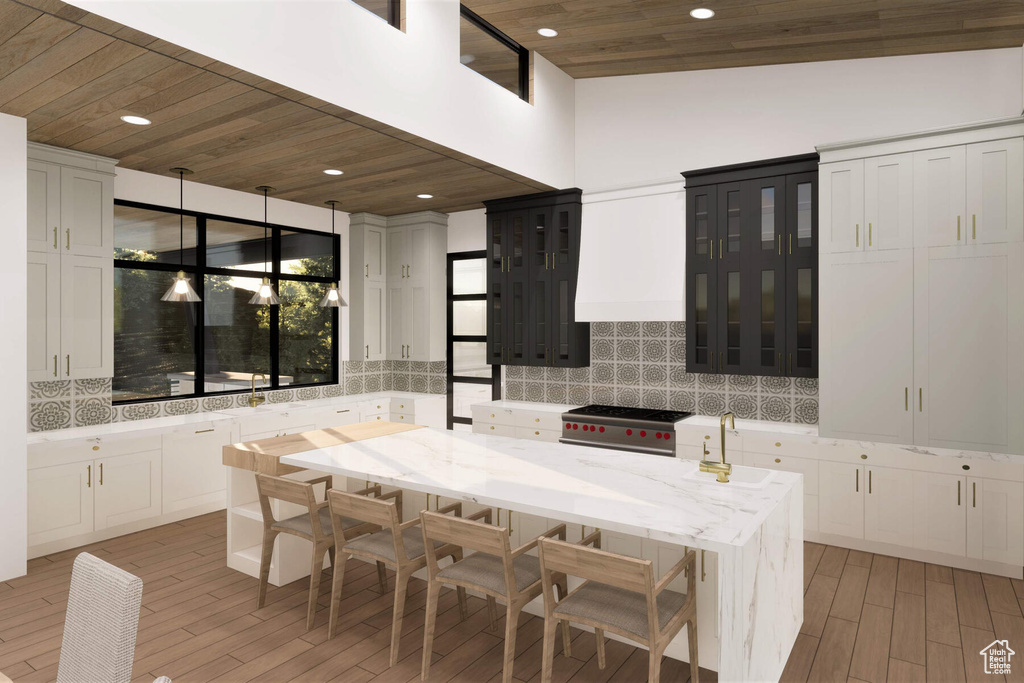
(621, 37)
(73, 74)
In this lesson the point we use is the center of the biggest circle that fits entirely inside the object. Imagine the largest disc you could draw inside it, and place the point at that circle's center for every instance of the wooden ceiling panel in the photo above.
(621, 37)
(73, 75)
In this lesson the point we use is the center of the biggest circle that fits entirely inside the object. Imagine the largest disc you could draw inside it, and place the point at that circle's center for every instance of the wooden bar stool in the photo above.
(396, 545)
(494, 569)
(619, 595)
(314, 525)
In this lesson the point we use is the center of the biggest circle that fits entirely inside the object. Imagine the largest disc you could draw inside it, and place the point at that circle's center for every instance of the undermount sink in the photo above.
(741, 477)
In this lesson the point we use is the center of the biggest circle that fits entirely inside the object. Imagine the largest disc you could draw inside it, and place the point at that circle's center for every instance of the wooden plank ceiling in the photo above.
(73, 74)
(620, 37)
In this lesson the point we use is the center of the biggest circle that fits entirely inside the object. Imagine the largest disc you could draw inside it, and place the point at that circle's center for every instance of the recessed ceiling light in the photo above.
(547, 32)
(332, 171)
(467, 59)
(425, 196)
(702, 13)
(136, 120)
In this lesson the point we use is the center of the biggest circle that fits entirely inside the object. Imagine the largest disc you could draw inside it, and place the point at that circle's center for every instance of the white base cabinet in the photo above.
(841, 509)
(995, 520)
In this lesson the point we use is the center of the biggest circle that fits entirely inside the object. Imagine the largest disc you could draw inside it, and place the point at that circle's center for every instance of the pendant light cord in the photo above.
(265, 230)
(181, 219)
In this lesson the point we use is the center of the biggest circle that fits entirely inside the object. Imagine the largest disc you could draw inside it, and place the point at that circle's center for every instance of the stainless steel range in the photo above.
(641, 430)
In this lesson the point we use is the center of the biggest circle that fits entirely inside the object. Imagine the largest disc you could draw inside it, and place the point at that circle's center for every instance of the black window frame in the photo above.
(495, 379)
(521, 52)
(199, 270)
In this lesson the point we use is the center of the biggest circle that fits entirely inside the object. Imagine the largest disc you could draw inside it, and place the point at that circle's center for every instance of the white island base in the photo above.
(752, 533)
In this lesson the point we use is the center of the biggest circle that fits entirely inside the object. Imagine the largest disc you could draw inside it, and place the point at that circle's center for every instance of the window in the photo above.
(164, 349)
(470, 378)
(491, 53)
(388, 10)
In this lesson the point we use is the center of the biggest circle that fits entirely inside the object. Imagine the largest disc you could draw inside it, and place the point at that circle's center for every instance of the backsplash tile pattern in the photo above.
(644, 364)
(79, 403)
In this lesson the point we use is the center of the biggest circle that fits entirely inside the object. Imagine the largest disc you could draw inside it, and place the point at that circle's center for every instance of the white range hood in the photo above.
(632, 263)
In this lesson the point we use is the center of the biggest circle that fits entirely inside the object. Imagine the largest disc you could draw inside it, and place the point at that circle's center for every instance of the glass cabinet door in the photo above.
(735, 219)
(801, 268)
(565, 250)
(702, 272)
(497, 288)
(540, 290)
(765, 272)
(517, 350)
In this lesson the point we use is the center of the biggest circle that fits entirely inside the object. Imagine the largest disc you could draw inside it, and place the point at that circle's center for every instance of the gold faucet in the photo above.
(722, 469)
(255, 400)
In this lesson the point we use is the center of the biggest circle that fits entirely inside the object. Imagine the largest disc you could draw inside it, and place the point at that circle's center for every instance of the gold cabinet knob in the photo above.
(401, 405)
(378, 417)
(537, 433)
(707, 438)
(492, 426)
(778, 444)
(536, 419)
(378, 407)
(401, 417)
(863, 456)
(95, 448)
(778, 459)
(492, 414)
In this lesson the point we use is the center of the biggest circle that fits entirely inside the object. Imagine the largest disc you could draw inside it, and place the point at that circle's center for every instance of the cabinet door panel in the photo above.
(940, 514)
(497, 287)
(398, 254)
(43, 206)
(418, 258)
(889, 201)
(43, 325)
(867, 346)
(418, 321)
(841, 499)
(702, 278)
(519, 282)
(939, 197)
(995, 202)
(87, 316)
(570, 340)
(968, 335)
(889, 506)
(995, 520)
(801, 287)
(738, 250)
(842, 206)
(192, 473)
(87, 212)
(129, 489)
(374, 323)
(397, 314)
(60, 501)
(540, 238)
(374, 254)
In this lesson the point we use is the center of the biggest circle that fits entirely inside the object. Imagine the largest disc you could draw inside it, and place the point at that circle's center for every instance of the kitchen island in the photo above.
(753, 524)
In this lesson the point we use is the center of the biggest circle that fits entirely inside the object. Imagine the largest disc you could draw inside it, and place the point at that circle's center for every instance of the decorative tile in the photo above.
(579, 394)
(514, 390)
(514, 371)
(627, 350)
(94, 386)
(627, 374)
(211, 403)
(654, 398)
(677, 351)
(555, 393)
(93, 411)
(387, 382)
(602, 329)
(806, 386)
(578, 375)
(184, 407)
(372, 383)
(281, 396)
(438, 385)
(682, 400)
(242, 400)
(627, 329)
(534, 391)
(776, 385)
(603, 350)
(743, 384)
(710, 403)
(354, 367)
(439, 367)
(655, 376)
(418, 383)
(399, 383)
(535, 374)
(419, 366)
(654, 329)
(602, 373)
(805, 411)
(373, 366)
(555, 374)
(654, 351)
(627, 397)
(307, 393)
(677, 329)
(45, 390)
(679, 377)
(743, 405)
(354, 385)
(333, 391)
(710, 382)
(140, 411)
(46, 416)
(604, 396)
(776, 409)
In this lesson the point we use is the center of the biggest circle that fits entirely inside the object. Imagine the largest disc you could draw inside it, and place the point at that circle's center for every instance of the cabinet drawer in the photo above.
(787, 463)
(370, 408)
(260, 425)
(498, 430)
(403, 405)
(549, 435)
(539, 420)
(403, 417)
(493, 416)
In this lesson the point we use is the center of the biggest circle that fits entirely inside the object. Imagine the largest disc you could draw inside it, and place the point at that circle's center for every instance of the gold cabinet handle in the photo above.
(958, 228)
(367, 350)
(55, 237)
(703, 567)
(906, 398)
(492, 427)
(721, 252)
(869, 481)
(88, 476)
(957, 491)
(791, 243)
(101, 474)
(547, 257)
(869, 234)
(856, 238)
(67, 245)
(204, 431)
(974, 226)
(712, 250)
(974, 494)
(780, 245)
(68, 361)
(920, 399)
(554, 260)
(857, 480)
(537, 433)
(54, 365)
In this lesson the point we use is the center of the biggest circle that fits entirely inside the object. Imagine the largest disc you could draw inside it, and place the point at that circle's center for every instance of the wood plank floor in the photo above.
(866, 618)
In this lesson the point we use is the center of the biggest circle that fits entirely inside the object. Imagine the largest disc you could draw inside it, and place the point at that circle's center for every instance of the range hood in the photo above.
(632, 263)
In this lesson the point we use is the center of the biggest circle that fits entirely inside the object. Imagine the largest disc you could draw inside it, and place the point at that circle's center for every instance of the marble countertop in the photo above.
(527, 405)
(751, 425)
(636, 494)
(229, 416)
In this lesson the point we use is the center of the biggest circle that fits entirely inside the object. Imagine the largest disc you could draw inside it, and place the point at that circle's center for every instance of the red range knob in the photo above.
(643, 433)
(629, 432)
(601, 429)
(658, 435)
(568, 425)
(667, 435)
(575, 426)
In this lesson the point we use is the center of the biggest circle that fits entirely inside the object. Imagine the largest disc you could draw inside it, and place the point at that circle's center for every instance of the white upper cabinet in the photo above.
(87, 317)
(43, 206)
(87, 212)
(374, 323)
(44, 317)
(939, 196)
(398, 254)
(374, 254)
(889, 201)
(368, 255)
(841, 206)
(995, 192)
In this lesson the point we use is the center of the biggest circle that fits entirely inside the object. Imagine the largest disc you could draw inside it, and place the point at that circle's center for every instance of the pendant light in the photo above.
(265, 295)
(181, 289)
(332, 299)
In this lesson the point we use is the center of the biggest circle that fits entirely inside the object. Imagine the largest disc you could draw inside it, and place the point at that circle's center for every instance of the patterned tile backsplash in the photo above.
(79, 403)
(644, 364)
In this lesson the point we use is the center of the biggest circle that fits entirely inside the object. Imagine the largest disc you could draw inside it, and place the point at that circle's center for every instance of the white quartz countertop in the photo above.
(228, 416)
(643, 495)
(750, 425)
(526, 405)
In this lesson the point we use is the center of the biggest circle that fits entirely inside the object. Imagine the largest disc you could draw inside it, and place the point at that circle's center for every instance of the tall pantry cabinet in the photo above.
(70, 322)
(922, 288)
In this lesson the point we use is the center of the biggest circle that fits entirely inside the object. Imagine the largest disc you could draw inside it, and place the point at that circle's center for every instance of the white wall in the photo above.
(341, 53)
(160, 190)
(467, 230)
(13, 278)
(638, 129)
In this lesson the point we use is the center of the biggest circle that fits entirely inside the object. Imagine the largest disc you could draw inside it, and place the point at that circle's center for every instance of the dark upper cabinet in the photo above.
(751, 268)
(533, 256)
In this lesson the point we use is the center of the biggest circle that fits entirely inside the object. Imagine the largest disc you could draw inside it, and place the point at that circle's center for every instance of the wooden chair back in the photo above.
(383, 513)
(288, 490)
(470, 534)
(596, 565)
